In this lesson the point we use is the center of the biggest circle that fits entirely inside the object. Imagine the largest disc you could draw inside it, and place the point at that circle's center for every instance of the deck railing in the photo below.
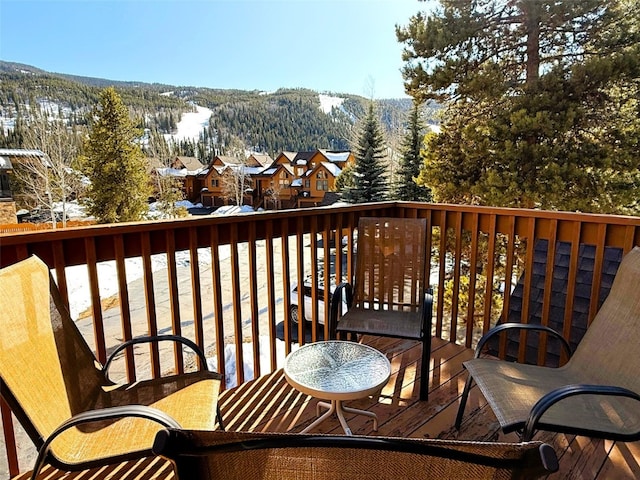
(226, 282)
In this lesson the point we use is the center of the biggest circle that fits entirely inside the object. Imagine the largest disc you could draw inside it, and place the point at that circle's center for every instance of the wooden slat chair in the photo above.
(389, 295)
(596, 393)
(294, 456)
(61, 394)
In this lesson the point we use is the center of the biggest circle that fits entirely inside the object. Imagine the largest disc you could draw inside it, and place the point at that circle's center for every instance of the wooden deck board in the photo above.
(270, 404)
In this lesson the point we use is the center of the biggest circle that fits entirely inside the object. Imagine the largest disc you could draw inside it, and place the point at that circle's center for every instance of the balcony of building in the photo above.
(227, 282)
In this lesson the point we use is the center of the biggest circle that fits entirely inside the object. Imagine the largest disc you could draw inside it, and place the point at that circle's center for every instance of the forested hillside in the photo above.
(288, 119)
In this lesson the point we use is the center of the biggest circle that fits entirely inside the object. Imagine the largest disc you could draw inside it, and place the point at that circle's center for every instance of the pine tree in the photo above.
(411, 161)
(115, 164)
(534, 109)
(369, 179)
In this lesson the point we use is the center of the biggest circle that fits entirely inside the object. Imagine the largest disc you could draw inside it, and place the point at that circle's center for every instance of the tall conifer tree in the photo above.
(115, 164)
(411, 161)
(369, 179)
(536, 93)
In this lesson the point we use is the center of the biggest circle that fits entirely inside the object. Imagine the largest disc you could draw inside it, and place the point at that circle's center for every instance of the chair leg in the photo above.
(424, 368)
(219, 415)
(463, 401)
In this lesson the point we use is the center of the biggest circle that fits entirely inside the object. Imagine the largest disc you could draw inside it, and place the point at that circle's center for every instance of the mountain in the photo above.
(288, 119)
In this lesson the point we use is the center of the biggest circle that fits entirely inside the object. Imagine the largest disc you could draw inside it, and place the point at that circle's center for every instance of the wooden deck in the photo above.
(270, 404)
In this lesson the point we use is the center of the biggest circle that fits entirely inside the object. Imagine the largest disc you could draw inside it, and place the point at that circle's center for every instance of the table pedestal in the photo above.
(339, 409)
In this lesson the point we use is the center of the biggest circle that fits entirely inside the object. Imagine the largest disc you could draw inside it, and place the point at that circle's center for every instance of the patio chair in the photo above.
(389, 296)
(283, 456)
(61, 394)
(594, 394)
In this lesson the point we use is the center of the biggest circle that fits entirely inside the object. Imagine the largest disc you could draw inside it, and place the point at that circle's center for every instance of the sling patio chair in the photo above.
(594, 394)
(389, 295)
(288, 456)
(62, 396)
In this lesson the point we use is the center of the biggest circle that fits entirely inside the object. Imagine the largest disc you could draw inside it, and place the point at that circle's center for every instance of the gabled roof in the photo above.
(303, 157)
(190, 163)
(340, 156)
(262, 158)
(6, 154)
(332, 167)
(228, 160)
(153, 164)
(330, 198)
(289, 169)
(285, 157)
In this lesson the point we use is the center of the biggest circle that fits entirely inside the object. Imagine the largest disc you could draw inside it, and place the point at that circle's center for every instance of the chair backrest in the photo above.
(47, 371)
(608, 353)
(391, 264)
(289, 456)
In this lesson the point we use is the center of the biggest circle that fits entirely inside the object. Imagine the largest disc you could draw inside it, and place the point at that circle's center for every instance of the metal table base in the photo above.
(337, 407)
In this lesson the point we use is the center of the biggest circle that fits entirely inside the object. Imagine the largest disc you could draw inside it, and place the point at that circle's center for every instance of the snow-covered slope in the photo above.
(327, 102)
(191, 124)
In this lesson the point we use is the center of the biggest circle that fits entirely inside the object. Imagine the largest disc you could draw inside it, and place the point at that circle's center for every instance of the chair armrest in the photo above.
(156, 338)
(140, 411)
(336, 304)
(561, 393)
(521, 326)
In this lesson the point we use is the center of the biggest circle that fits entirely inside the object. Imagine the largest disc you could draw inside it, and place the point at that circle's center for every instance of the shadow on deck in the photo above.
(270, 404)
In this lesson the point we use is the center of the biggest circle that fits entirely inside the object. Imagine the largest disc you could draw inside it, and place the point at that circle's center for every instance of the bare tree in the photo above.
(49, 178)
(166, 187)
(274, 195)
(236, 182)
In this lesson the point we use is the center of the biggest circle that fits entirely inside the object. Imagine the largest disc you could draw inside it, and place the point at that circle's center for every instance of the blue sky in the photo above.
(341, 46)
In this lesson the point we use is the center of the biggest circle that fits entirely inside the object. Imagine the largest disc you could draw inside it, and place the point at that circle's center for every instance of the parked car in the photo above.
(294, 311)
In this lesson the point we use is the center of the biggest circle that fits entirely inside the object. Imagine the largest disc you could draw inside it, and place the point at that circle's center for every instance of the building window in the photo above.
(307, 183)
(283, 180)
(214, 182)
(322, 183)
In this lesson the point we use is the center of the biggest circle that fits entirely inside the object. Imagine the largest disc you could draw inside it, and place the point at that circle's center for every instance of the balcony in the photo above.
(238, 311)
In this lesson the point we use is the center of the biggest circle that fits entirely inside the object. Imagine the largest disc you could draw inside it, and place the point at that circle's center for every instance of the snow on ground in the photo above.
(327, 102)
(247, 356)
(78, 280)
(191, 125)
(73, 209)
(233, 209)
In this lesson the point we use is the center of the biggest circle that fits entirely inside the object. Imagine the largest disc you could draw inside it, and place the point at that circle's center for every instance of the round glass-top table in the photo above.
(337, 370)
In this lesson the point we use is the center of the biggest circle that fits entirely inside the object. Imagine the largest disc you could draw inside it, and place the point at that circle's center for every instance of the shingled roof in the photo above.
(559, 288)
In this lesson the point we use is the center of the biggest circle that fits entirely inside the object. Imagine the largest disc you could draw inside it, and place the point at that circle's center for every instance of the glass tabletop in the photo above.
(337, 367)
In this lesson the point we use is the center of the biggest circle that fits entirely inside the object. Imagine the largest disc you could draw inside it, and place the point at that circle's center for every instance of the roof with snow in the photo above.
(297, 182)
(341, 156)
(228, 160)
(253, 170)
(21, 152)
(289, 155)
(304, 156)
(332, 167)
(7, 153)
(172, 172)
